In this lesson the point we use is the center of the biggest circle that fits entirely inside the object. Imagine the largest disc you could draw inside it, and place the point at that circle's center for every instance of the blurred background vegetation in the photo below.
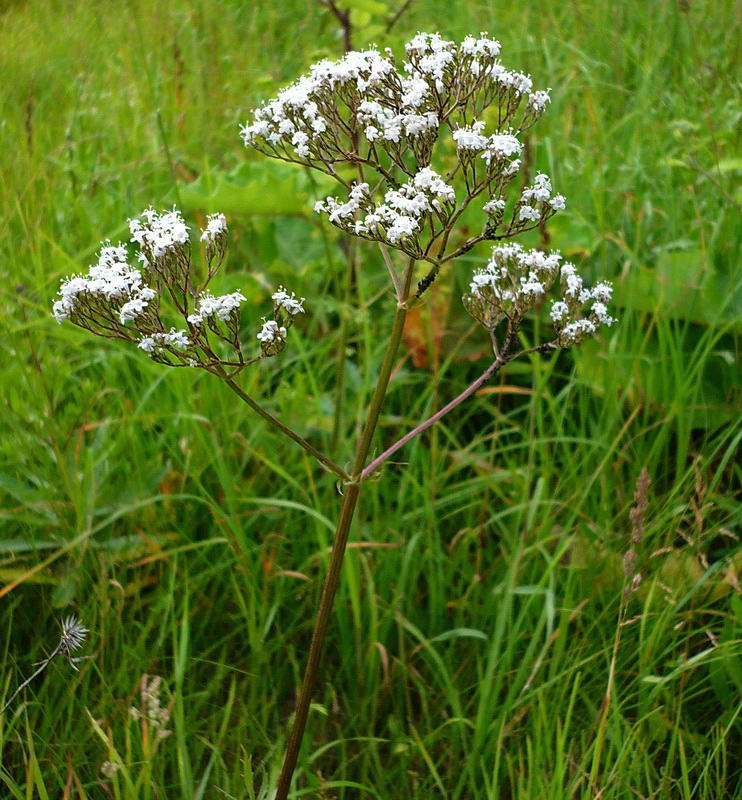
(479, 618)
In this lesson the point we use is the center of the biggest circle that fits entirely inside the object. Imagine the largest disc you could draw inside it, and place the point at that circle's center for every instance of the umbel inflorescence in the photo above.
(159, 302)
(416, 147)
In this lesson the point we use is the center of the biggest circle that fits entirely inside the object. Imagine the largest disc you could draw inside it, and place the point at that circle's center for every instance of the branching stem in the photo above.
(266, 415)
(340, 541)
(430, 421)
(501, 359)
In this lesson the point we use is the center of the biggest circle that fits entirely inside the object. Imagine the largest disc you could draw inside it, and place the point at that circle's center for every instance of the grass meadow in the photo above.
(482, 645)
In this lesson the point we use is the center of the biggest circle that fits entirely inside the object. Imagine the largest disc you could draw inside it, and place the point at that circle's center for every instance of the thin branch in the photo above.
(343, 17)
(502, 358)
(395, 19)
(42, 667)
(392, 272)
(255, 406)
(423, 426)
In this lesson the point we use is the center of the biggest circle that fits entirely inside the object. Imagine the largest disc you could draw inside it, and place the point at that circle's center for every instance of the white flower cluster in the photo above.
(216, 226)
(494, 206)
(271, 332)
(403, 213)
(580, 311)
(533, 198)
(384, 117)
(114, 300)
(386, 104)
(224, 307)
(510, 284)
(384, 124)
(158, 233)
(288, 301)
(108, 282)
(496, 147)
(174, 338)
(135, 307)
(514, 280)
(539, 100)
(437, 62)
(300, 113)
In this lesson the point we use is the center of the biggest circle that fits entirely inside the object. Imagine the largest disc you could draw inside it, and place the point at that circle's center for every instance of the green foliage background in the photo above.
(474, 634)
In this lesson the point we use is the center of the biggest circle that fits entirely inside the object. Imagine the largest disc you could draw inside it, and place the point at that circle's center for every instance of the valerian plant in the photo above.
(413, 146)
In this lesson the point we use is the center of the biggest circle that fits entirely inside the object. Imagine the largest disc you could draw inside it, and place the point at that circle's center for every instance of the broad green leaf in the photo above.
(264, 188)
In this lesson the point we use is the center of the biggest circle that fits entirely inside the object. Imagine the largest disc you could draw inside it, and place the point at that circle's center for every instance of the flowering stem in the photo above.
(43, 665)
(328, 463)
(344, 329)
(423, 426)
(342, 531)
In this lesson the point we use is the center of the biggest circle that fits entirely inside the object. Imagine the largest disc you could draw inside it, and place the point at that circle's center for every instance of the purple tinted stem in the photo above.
(423, 426)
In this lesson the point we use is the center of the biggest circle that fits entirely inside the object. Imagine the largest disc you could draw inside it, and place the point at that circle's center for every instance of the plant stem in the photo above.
(423, 426)
(323, 459)
(340, 540)
(43, 665)
(344, 329)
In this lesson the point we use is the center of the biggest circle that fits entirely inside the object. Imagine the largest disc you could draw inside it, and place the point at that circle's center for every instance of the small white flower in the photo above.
(471, 138)
(494, 206)
(538, 100)
(61, 310)
(601, 312)
(501, 146)
(223, 307)
(288, 302)
(271, 331)
(133, 309)
(575, 332)
(175, 338)
(531, 286)
(602, 291)
(159, 232)
(559, 311)
(216, 226)
(512, 168)
(229, 303)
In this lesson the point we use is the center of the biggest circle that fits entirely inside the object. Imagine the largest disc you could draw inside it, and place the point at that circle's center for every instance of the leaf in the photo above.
(683, 285)
(729, 165)
(460, 633)
(265, 188)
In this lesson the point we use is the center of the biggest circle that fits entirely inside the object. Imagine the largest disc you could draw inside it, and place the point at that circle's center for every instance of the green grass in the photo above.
(472, 643)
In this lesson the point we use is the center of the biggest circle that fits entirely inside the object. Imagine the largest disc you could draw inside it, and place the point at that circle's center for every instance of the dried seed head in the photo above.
(638, 510)
(73, 636)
